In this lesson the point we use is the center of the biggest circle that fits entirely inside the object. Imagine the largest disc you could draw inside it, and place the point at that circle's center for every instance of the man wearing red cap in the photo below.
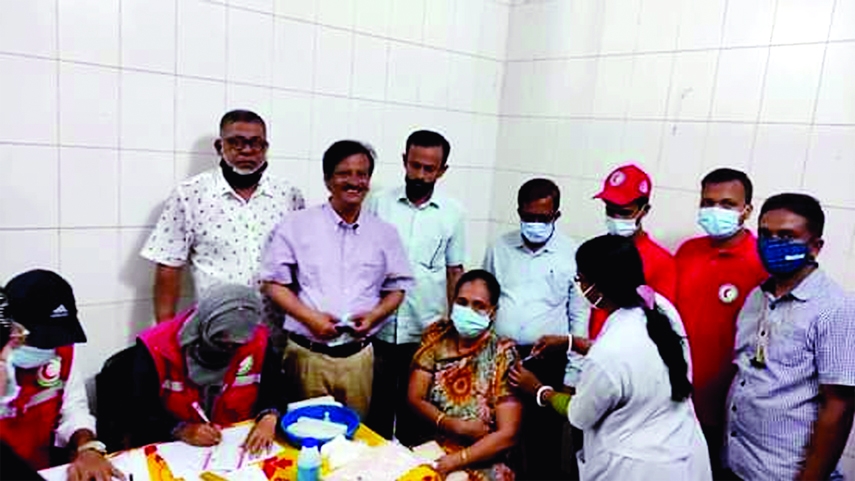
(626, 193)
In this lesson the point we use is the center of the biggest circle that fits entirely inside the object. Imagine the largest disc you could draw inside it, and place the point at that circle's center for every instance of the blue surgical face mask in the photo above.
(783, 256)
(468, 322)
(11, 389)
(28, 357)
(718, 222)
(621, 227)
(537, 232)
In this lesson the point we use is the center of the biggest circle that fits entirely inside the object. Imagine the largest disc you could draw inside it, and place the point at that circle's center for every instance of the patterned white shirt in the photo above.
(222, 235)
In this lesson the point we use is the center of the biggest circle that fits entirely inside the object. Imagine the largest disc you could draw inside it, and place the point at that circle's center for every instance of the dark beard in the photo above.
(418, 189)
(240, 181)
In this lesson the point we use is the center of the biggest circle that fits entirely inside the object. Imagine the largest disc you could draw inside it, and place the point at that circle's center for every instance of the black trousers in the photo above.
(542, 428)
(390, 413)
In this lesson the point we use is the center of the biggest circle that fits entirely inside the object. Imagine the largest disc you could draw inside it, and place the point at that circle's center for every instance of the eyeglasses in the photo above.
(239, 143)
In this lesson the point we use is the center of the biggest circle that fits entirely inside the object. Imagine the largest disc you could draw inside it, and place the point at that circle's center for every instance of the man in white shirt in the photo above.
(47, 406)
(432, 229)
(221, 220)
(535, 266)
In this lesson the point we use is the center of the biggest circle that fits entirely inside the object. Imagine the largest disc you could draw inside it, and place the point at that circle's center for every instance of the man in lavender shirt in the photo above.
(337, 272)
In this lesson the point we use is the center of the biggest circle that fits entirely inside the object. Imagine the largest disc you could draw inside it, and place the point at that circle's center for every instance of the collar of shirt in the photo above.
(336, 219)
(740, 249)
(434, 201)
(809, 287)
(549, 247)
(224, 188)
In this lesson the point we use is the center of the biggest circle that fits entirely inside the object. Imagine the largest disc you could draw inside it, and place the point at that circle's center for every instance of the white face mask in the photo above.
(584, 293)
(468, 322)
(621, 227)
(719, 222)
(28, 357)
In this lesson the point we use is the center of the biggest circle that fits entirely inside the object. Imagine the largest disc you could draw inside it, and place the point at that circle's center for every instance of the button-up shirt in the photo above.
(538, 295)
(339, 268)
(808, 335)
(433, 236)
(222, 235)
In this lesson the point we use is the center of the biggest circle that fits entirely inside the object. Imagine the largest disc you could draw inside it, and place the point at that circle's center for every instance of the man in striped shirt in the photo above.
(791, 403)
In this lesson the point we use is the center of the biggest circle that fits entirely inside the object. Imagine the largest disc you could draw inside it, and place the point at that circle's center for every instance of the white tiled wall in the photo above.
(682, 87)
(108, 103)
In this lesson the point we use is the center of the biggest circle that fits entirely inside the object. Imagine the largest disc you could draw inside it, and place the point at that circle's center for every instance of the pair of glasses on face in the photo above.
(240, 143)
(537, 218)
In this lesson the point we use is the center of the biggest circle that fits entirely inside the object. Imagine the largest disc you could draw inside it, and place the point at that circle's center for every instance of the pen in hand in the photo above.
(196, 407)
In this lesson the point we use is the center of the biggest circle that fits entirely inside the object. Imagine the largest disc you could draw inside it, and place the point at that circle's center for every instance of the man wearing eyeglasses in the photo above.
(220, 220)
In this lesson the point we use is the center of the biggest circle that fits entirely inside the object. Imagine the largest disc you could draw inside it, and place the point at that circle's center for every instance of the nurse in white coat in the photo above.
(633, 399)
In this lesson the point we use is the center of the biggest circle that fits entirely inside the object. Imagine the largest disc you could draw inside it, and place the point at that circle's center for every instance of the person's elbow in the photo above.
(507, 438)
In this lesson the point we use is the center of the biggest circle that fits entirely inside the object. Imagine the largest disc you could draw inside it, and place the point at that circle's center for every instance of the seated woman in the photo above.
(632, 400)
(210, 366)
(459, 383)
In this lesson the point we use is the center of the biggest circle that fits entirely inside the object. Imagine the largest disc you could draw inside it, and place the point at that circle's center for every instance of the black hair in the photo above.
(248, 116)
(799, 204)
(343, 149)
(429, 138)
(480, 274)
(613, 265)
(720, 176)
(536, 189)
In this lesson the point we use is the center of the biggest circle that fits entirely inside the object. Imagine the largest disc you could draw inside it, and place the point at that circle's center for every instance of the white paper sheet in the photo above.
(130, 463)
(387, 462)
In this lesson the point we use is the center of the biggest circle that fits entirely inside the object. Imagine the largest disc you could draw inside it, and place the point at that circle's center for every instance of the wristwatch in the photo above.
(93, 445)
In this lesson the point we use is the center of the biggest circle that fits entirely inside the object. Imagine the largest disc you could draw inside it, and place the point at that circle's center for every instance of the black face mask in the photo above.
(212, 356)
(241, 181)
(418, 189)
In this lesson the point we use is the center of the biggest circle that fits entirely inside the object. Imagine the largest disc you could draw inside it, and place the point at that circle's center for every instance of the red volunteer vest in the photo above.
(236, 401)
(28, 422)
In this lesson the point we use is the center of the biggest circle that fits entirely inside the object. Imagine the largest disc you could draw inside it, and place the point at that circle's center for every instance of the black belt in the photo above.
(343, 350)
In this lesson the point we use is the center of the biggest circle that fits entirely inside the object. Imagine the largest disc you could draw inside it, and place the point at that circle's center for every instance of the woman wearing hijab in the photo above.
(459, 383)
(633, 400)
(210, 366)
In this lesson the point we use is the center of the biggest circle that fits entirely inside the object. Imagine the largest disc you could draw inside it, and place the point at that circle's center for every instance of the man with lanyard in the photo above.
(535, 266)
(714, 275)
(338, 272)
(220, 220)
(48, 406)
(431, 226)
(626, 194)
(791, 403)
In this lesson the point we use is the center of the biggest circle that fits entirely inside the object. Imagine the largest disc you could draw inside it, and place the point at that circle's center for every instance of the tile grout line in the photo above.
(714, 87)
(759, 116)
(812, 128)
(58, 140)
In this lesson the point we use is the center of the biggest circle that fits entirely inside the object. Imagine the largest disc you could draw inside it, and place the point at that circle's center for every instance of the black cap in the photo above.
(43, 302)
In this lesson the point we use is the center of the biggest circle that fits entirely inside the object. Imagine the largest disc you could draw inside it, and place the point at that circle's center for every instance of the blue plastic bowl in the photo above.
(341, 415)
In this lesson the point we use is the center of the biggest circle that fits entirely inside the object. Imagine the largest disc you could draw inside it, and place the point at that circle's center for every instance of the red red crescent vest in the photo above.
(236, 401)
(27, 424)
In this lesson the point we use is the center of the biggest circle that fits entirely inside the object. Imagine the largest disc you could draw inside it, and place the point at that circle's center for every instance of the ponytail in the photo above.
(670, 347)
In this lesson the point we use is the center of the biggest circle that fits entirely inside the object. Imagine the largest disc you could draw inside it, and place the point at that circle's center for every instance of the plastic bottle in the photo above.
(309, 461)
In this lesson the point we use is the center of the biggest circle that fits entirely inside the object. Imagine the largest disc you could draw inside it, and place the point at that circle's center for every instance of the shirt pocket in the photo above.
(788, 344)
(559, 280)
(430, 252)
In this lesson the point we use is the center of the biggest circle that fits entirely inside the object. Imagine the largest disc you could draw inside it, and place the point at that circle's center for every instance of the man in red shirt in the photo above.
(626, 193)
(714, 275)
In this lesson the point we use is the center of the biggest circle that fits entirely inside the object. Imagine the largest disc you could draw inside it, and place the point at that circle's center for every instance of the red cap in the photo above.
(625, 184)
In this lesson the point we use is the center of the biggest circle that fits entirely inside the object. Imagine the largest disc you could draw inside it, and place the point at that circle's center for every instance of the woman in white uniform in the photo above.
(633, 399)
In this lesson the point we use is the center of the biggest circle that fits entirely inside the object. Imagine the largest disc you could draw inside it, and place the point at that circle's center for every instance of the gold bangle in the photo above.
(439, 420)
(464, 454)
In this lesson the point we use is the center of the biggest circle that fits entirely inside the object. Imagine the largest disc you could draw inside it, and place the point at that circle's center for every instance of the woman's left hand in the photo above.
(261, 437)
(524, 380)
(447, 464)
